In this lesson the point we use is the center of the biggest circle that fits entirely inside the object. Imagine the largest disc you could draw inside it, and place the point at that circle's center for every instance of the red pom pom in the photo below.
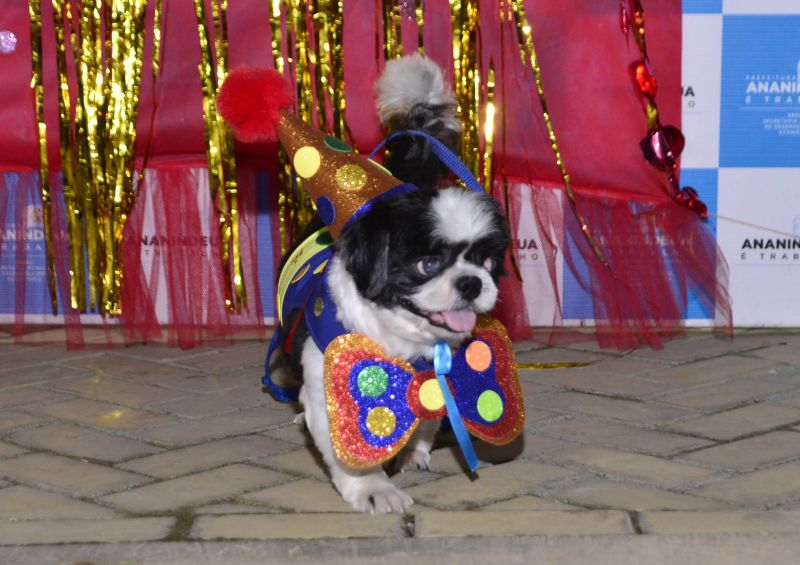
(251, 99)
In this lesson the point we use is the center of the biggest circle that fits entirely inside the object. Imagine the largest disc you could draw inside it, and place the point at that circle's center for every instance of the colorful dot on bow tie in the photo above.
(490, 406)
(479, 356)
(372, 381)
(381, 421)
(430, 395)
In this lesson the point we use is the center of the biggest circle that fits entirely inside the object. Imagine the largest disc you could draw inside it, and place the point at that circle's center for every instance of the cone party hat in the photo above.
(257, 102)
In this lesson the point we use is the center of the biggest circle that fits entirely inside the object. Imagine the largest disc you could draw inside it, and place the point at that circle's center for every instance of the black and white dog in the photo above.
(414, 270)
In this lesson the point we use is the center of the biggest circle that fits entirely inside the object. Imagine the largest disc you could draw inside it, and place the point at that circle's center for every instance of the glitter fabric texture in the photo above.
(374, 404)
(389, 400)
(512, 421)
(341, 182)
(351, 177)
(471, 384)
(352, 432)
(372, 380)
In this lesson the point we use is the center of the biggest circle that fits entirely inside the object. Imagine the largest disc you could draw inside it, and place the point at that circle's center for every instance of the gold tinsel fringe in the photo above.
(97, 119)
(97, 123)
(34, 8)
(219, 147)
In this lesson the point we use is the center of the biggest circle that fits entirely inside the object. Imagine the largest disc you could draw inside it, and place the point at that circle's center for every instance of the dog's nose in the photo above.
(469, 287)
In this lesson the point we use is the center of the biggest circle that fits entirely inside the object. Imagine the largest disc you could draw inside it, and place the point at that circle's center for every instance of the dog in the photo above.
(411, 271)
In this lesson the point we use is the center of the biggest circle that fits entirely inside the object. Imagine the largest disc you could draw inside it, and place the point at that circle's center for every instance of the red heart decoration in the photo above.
(662, 147)
(644, 79)
(688, 197)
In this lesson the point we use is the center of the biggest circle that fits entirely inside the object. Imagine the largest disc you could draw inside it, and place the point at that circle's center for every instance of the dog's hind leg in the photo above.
(367, 490)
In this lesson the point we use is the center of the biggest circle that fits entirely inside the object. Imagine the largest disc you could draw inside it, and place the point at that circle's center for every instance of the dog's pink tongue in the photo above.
(460, 320)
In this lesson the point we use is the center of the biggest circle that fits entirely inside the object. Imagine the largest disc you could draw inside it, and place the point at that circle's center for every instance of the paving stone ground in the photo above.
(149, 444)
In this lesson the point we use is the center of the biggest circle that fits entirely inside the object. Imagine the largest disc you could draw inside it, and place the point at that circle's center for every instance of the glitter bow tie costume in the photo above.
(374, 403)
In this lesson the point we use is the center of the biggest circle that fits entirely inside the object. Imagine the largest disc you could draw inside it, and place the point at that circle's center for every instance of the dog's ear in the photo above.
(365, 254)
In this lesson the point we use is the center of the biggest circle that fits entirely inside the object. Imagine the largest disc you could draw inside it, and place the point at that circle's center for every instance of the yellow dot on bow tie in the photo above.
(479, 356)
(430, 395)
(381, 421)
(490, 406)
(306, 161)
(319, 307)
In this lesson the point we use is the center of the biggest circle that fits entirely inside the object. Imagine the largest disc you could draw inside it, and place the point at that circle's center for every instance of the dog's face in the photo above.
(433, 255)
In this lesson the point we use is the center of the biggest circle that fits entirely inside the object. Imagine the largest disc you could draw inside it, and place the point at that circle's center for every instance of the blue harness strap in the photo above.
(447, 157)
(303, 286)
(281, 393)
(320, 315)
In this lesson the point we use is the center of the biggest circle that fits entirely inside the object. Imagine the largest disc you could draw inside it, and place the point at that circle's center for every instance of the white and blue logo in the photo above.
(760, 111)
(28, 241)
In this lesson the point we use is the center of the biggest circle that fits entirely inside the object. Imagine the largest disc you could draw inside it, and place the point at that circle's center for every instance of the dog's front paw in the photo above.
(375, 494)
(413, 460)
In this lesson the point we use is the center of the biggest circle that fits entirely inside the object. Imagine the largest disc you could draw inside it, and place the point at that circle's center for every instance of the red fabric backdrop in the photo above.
(596, 110)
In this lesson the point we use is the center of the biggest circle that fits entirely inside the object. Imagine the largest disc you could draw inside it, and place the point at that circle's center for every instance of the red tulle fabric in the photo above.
(171, 256)
(597, 112)
(657, 251)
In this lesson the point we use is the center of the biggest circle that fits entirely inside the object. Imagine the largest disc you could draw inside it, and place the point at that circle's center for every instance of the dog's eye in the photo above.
(428, 265)
(490, 263)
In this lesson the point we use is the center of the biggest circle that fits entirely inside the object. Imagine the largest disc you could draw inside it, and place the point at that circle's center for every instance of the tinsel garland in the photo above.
(662, 146)
(219, 147)
(100, 50)
(37, 85)
(528, 55)
(468, 80)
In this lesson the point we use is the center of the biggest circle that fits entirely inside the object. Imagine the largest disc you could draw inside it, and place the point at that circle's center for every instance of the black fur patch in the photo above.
(380, 250)
(410, 158)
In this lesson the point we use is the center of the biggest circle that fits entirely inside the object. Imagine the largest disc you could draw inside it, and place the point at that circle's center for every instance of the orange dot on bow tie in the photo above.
(479, 356)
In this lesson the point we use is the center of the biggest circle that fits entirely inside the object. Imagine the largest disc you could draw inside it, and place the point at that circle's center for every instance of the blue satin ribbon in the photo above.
(442, 362)
(447, 157)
